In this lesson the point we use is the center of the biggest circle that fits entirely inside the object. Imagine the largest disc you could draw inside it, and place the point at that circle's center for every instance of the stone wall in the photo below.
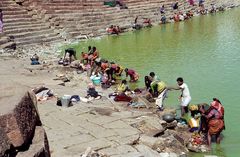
(20, 126)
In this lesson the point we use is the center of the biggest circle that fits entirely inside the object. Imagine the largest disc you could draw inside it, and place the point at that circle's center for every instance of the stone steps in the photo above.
(26, 29)
(17, 16)
(13, 12)
(7, 21)
(76, 17)
(31, 33)
(23, 27)
(4, 39)
(21, 24)
(6, 42)
(9, 44)
(40, 39)
(68, 7)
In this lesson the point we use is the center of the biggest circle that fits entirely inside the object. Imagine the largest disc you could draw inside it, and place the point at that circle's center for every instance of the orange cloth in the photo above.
(215, 126)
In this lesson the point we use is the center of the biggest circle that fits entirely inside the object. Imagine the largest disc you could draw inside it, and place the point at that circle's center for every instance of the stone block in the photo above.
(5, 144)
(148, 140)
(95, 145)
(172, 124)
(149, 126)
(169, 144)
(39, 146)
(146, 151)
(18, 117)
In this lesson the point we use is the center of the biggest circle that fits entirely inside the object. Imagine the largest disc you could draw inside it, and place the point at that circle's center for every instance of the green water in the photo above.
(204, 51)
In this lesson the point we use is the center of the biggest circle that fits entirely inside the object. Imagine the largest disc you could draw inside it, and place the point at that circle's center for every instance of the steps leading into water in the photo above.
(55, 20)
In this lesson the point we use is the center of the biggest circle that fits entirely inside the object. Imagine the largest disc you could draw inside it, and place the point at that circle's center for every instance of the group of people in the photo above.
(114, 30)
(109, 73)
(146, 23)
(158, 89)
(211, 117)
(212, 120)
(180, 16)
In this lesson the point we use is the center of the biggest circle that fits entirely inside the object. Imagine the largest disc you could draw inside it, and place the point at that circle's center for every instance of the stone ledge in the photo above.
(19, 122)
(39, 146)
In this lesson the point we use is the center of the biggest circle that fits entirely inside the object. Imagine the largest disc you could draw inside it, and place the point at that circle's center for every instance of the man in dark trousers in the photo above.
(71, 52)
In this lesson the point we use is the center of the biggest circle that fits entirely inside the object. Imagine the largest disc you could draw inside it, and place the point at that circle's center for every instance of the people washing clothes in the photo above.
(185, 97)
(215, 120)
(132, 74)
(157, 88)
(104, 74)
(69, 53)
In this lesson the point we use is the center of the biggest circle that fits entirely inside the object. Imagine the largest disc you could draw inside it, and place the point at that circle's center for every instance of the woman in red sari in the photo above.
(215, 120)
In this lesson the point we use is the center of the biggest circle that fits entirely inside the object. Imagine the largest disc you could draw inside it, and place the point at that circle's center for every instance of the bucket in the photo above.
(193, 123)
(65, 100)
(96, 80)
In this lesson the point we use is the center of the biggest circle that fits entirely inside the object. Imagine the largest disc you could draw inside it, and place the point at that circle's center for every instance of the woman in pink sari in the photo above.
(1, 21)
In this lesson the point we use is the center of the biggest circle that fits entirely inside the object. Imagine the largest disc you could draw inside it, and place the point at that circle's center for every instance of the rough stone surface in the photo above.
(147, 151)
(106, 127)
(148, 140)
(5, 144)
(149, 126)
(39, 146)
(19, 118)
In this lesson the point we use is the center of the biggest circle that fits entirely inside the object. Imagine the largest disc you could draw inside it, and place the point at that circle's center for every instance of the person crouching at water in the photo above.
(162, 94)
(133, 75)
(118, 71)
(114, 29)
(215, 120)
(70, 52)
(121, 88)
(151, 83)
(185, 97)
(147, 22)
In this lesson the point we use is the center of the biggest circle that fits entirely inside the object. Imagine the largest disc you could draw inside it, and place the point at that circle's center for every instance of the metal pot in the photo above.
(168, 117)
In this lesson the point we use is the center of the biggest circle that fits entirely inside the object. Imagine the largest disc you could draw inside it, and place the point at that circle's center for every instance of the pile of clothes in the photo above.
(43, 93)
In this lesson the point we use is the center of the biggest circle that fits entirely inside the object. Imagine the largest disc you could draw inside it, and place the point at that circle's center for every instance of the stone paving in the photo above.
(102, 125)
(72, 130)
(107, 127)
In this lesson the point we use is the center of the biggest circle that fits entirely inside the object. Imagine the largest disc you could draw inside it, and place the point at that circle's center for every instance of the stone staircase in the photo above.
(90, 17)
(41, 21)
(6, 42)
(23, 27)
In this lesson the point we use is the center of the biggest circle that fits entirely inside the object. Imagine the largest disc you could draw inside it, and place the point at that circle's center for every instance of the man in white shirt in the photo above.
(185, 96)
